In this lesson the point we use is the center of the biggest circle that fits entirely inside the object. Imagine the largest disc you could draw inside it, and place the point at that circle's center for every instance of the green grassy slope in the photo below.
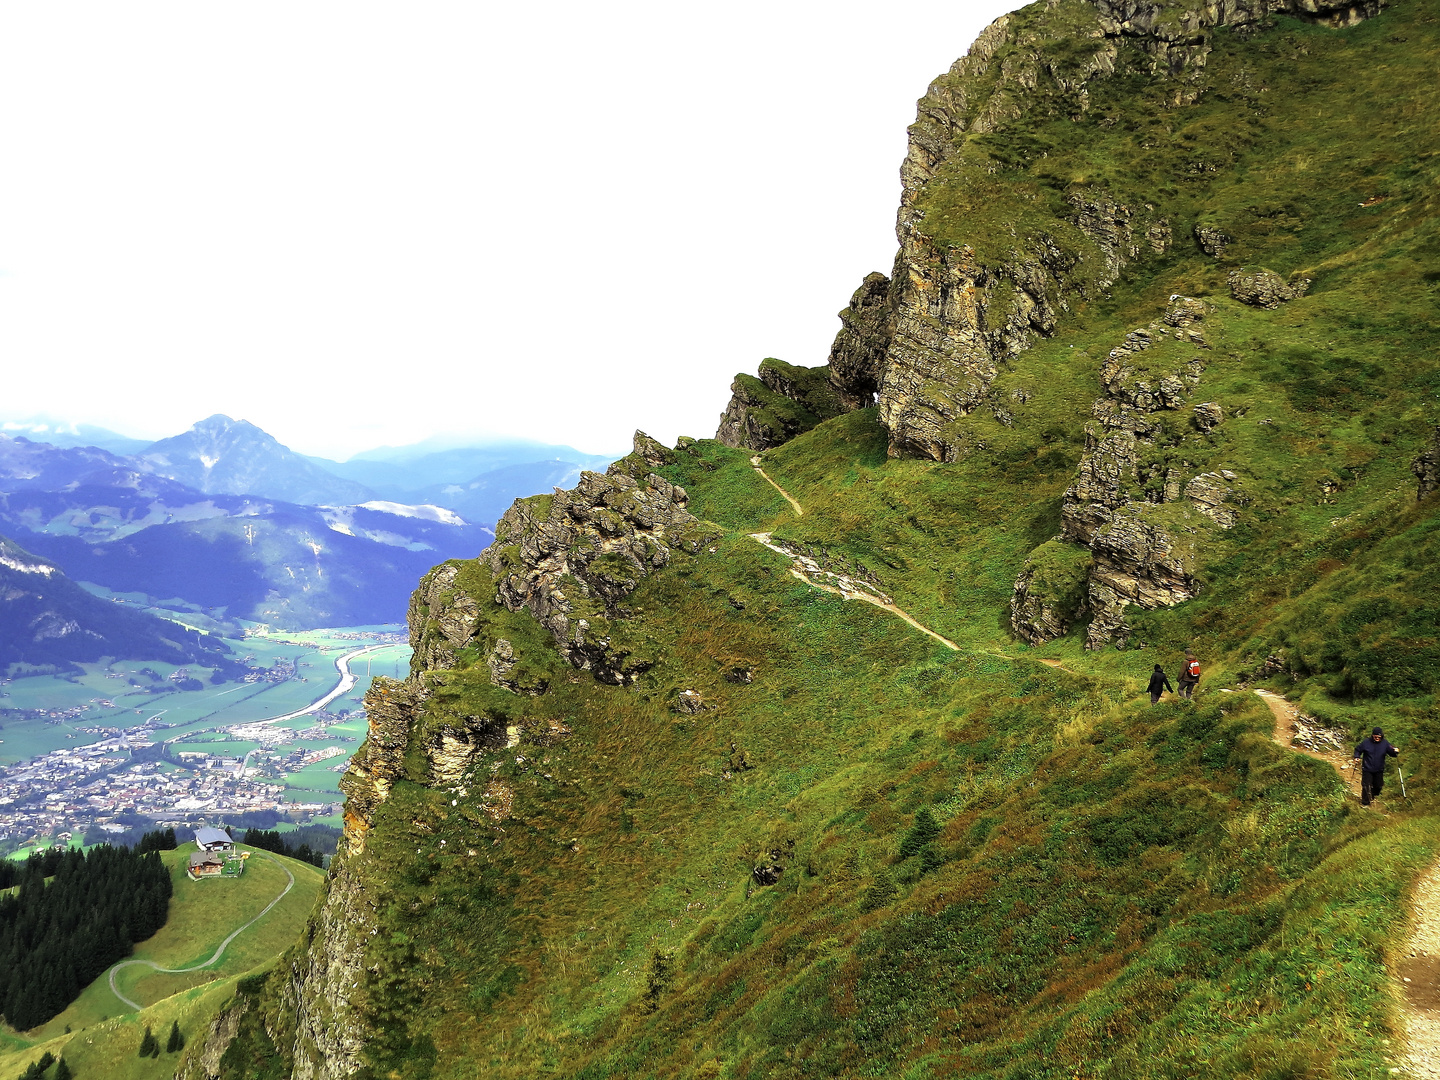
(1112, 889)
(99, 1032)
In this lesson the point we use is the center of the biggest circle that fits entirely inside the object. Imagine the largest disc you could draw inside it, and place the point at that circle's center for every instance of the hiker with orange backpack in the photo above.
(1189, 676)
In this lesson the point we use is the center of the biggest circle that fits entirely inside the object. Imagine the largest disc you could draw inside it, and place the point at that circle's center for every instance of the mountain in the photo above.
(487, 496)
(829, 753)
(240, 556)
(29, 465)
(220, 456)
(272, 562)
(47, 621)
(419, 474)
(71, 436)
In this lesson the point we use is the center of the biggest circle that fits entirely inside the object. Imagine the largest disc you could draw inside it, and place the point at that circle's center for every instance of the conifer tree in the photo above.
(148, 1046)
(62, 1071)
(176, 1040)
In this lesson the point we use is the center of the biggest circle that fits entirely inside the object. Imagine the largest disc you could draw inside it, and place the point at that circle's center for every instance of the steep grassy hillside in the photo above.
(655, 804)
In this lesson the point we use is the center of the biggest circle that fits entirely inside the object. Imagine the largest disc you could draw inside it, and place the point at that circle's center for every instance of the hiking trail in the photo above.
(1417, 971)
(811, 572)
(755, 464)
(290, 884)
(1304, 736)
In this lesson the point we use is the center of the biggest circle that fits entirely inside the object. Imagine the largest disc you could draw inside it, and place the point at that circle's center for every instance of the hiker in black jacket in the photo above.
(1370, 755)
(1159, 682)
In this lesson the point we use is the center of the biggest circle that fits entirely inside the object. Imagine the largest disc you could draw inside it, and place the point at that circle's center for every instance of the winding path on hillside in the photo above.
(809, 571)
(1286, 715)
(1417, 968)
(755, 464)
(214, 959)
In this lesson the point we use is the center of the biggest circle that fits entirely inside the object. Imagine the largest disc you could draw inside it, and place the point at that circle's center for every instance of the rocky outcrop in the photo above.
(453, 749)
(1212, 240)
(392, 708)
(1137, 560)
(1207, 416)
(202, 1061)
(1426, 468)
(977, 282)
(1133, 518)
(325, 982)
(570, 559)
(1263, 288)
(442, 618)
(857, 356)
(783, 402)
(1050, 591)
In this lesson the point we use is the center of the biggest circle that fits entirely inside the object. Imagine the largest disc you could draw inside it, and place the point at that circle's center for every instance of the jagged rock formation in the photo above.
(783, 402)
(555, 557)
(1134, 514)
(981, 273)
(1426, 468)
(857, 356)
(961, 312)
(391, 708)
(1212, 240)
(570, 559)
(786, 400)
(1263, 288)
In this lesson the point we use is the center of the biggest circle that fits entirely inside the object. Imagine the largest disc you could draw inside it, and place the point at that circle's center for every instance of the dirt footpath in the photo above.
(1417, 973)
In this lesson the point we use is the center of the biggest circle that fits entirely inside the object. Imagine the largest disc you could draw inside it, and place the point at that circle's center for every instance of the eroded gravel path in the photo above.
(1286, 717)
(817, 577)
(1419, 973)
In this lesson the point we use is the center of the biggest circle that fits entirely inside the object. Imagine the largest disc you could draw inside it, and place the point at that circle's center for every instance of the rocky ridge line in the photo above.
(1130, 526)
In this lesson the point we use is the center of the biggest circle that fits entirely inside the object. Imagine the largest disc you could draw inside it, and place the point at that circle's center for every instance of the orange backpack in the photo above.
(1192, 668)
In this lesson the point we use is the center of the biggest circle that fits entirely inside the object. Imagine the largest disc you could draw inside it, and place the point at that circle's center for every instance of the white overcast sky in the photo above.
(358, 224)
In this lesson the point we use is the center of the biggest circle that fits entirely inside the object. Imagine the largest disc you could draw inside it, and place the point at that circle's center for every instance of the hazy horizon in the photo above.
(360, 226)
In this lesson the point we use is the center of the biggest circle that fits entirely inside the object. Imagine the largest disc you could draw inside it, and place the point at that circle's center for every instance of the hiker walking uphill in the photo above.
(1189, 676)
(1371, 755)
(1159, 682)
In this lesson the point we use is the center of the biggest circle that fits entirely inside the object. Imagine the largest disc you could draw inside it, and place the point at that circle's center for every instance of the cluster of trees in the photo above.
(273, 841)
(56, 939)
(150, 1046)
(36, 1069)
(159, 840)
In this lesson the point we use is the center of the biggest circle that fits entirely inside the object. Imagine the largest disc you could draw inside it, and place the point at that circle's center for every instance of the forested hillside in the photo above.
(71, 916)
(822, 749)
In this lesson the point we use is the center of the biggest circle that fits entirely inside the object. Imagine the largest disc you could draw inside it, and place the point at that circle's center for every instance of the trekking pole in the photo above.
(1402, 782)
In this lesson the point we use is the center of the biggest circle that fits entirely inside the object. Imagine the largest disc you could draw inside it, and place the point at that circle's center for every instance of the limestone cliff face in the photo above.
(572, 559)
(984, 267)
(1136, 507)
(857, 357)
(963, 306)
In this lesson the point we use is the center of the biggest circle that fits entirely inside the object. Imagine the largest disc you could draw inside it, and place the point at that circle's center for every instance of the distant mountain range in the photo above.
(226, 519)
(49, 622)
(220, 456)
